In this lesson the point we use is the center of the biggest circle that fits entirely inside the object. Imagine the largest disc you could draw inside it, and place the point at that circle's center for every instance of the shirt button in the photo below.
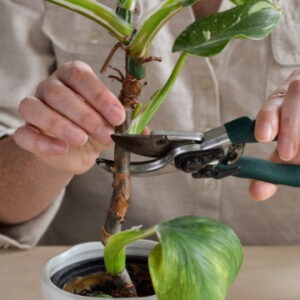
(94, 37)
(206, 83)
(209, 183)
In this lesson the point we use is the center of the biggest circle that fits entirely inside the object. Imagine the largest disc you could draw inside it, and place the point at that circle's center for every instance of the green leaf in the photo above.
(103, 296)
(208, 36)
(114, 251)
(101, 14)
(197, 257)
(127, 4)
(125, 9)
(152, 23)
(239, 2)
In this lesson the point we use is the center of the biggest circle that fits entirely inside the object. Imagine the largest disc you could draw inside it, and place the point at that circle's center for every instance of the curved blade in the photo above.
(155, 145)
(146, 145)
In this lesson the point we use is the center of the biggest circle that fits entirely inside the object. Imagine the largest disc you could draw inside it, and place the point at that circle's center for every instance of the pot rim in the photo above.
(85, 251)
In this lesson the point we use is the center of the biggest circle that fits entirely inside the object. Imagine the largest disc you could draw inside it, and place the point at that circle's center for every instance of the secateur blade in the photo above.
(161, 165)
(158, 143)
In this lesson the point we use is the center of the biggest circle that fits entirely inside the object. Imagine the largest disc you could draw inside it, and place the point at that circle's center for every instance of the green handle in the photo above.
(265, 170)
(241, 130)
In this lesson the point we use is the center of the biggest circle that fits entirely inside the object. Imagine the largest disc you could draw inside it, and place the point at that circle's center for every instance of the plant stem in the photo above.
(121, 184)
(120, 200)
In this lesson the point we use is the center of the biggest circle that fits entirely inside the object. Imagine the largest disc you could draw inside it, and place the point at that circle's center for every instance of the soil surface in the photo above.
(99, 282)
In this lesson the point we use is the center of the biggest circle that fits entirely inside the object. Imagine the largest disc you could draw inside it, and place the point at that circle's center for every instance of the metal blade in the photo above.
(158, 143)
(145, 145)
(161, 165)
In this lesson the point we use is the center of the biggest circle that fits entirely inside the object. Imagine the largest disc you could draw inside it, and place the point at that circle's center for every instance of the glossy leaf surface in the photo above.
(197, 257)
(208, 36)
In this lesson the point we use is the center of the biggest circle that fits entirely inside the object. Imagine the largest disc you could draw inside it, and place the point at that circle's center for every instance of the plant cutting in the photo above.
(196, 258)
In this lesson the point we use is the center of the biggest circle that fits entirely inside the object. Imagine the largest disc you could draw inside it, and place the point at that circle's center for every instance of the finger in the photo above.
(80, 77)
(31, 140)
(146, 131)
(288, 138)
(51, 123)
(260, 190)
(268, 118)
(69, 104)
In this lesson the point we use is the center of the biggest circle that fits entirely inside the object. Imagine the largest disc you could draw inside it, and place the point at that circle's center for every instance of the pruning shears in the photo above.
(215, 153)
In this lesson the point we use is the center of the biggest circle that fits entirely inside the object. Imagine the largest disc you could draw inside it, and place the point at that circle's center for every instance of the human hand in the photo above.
(70, 119)
(279, 116)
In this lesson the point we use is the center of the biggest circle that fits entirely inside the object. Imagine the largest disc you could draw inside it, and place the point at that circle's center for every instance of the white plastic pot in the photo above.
(80, 253)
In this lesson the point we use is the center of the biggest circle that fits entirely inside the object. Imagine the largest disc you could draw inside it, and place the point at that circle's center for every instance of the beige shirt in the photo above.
(209, 92)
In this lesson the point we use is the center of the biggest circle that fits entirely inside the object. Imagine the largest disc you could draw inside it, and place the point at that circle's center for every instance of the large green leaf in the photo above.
(208, 36)
(197, 258)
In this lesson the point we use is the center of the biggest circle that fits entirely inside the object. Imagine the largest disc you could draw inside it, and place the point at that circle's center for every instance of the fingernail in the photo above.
(103, 135)
(265, 132)
(286, 149)
(115, 115)
(75, 135)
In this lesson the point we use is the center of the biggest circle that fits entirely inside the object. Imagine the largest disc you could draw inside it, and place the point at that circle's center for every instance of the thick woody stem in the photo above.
(120, 200)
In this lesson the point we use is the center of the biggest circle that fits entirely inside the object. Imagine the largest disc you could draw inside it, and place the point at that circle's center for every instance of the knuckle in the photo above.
(40, 87)
(53, 92)
(295, 86)
(104, 99)
(24, 106)
(52, 125)
(49, 89)
(18, 135)
(75, 70)
(90, 122)
(100, 98)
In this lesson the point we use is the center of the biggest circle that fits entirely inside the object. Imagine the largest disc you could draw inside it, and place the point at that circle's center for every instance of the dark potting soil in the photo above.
(88, 277)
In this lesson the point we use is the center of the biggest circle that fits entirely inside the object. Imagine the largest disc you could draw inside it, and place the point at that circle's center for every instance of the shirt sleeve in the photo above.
(26, 59)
